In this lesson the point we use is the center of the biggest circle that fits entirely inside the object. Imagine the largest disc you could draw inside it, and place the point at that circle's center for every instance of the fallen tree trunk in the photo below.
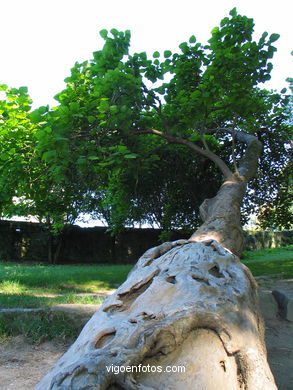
(188, 305)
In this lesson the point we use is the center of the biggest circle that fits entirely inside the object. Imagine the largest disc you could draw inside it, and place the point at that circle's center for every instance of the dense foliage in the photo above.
(114, 145)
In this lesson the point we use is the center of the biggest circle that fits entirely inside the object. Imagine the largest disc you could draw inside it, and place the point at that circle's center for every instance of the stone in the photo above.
(268, 305)
(282, 301)
(290, 309)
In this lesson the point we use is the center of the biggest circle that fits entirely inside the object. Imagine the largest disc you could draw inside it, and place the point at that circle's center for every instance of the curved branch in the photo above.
(233, 154)
(248, 164)
(204, 152)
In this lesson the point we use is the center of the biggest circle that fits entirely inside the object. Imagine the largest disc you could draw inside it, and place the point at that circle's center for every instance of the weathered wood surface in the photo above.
(191, 304)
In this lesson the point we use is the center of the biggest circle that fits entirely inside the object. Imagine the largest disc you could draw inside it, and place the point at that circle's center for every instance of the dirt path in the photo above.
(279, 341)
(279, 336)
(22, 364)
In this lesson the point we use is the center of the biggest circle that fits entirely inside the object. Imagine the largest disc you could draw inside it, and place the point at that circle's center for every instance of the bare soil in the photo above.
(279, 341)
(279, 336)
(22, 364)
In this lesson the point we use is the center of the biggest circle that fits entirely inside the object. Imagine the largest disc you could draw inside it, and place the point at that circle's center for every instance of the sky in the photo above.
(41, 39)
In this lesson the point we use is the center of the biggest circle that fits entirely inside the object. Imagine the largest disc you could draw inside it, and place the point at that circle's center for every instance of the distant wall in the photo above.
(268, 239)
(23, 241)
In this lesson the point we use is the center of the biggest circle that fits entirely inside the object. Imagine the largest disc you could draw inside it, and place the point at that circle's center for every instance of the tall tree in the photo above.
(16, 135)
(277, 211)
(207, 312)
(88, 139)
(27, 186)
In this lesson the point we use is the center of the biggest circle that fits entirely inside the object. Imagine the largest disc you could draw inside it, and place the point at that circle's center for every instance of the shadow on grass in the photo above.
(39, 327)
(31, 301)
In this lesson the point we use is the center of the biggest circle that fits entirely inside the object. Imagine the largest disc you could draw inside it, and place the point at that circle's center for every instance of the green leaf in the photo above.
(114, 109)
(194, 137)
(224, 21)
(215, 30)
(74, 106)
(23, 90)
(195, 94)
(49, 155)
(104, 33)
(274, 37)
(121, 148)
(143, 56)
(105, 164)
(167, 53)
(192, 39)
(93, 158)
(184, 47)
(263, 37)
(91, 118)
(35, 116)
(233, 12)
(156, 54)
(43, 109)
(104, 105)
(284, 90)
(269, 66)
(131, 155)
(81, 160)
(114, 32)
(48, 130)
(4, 156)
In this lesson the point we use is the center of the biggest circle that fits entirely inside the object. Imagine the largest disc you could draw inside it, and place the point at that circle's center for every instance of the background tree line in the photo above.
(93, 153)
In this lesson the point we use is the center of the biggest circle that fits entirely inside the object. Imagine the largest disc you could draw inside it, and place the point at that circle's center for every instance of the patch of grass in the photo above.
(39, 327)
(273, 261)
(11, 287)
(56, 278)
(32, 301)
(31, 286)
(5, 331)
(269, 254)
(43, 286)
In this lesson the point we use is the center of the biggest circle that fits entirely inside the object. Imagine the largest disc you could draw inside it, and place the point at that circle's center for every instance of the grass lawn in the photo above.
(274, 262)
(47, 285)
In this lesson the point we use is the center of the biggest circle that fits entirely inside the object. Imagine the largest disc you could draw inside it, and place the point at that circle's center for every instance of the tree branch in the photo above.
(248, 164)
(204, 143)
(233, 153)
(207, 153)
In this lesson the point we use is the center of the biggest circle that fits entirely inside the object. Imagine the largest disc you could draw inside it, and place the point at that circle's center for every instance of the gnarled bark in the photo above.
(188, 303)
(221, 216)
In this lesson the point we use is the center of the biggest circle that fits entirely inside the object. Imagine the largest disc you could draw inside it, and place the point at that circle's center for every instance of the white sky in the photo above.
(41, 39)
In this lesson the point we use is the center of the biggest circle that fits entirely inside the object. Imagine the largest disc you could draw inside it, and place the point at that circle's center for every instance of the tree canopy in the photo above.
(138, 139)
